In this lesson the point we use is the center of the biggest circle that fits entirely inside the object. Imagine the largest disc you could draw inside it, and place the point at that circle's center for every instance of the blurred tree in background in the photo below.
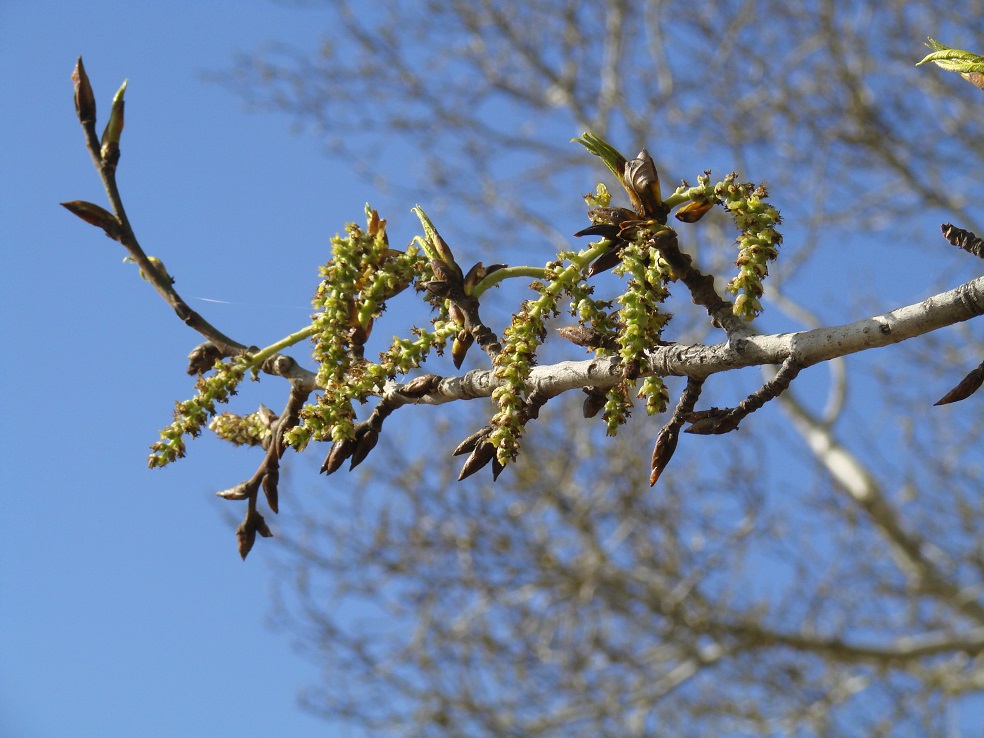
(820, 571)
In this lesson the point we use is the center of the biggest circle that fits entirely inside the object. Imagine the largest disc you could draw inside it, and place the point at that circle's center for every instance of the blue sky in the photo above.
(124, 607)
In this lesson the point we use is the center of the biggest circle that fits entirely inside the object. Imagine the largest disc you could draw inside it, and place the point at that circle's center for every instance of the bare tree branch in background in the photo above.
(667, 611)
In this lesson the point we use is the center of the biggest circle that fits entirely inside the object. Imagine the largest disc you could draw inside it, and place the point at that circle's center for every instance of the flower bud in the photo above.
(693, 211)
(459, 348)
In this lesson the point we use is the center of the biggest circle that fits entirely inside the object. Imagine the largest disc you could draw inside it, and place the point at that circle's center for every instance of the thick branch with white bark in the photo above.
(806, 348)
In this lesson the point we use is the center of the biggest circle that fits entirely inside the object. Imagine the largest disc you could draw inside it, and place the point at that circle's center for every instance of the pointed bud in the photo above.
(456, 314)
(245, 538)
(641, 181)
(445, 272)
(203, 357)
(605, 230)
(234, 493)
(110, 143)
(475, 275)
(270, 482)
(606, 261)
(420, 386)
(693, 211)
(94, 215)
(712, 422)
(85, 101)
(438, 287)
(340, 450)
(261, 526)
(365, 443)
(666, 444)
(460, 346)
(479, 458)
(966, 387)
(472, 442)
(594, 403)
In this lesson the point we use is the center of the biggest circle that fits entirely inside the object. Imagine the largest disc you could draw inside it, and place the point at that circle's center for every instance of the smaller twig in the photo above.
(701, 285)
(666, 441)
(716, 420)
(964, 239)
(267, 475)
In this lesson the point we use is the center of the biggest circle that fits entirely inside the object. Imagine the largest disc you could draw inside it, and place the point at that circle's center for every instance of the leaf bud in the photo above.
(95, 215)
(85, 101)
(114, 128)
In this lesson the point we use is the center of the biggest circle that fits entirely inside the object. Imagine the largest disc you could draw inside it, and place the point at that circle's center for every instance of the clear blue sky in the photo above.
(124, 607)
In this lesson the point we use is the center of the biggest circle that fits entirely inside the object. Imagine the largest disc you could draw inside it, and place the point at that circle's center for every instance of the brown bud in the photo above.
(445, 272)
(460, 346)
(605, 230)
(693, 211)
(472, 442)
(420, 386)
(85, 101)
(594, 403)
(247, 530)
(203, 357)
(238, 492)
(666, 444)
(475, 275)
(642, 183)
(712, 422)
(975, 78)
(340, 450)
(270, 482)
(457, 314)
(966, 387)
(261, 526)
(245, 537)
(95, 215)
(364, 443)
(606, 261)
(438, 287)
(479, 458)
(497, 468)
